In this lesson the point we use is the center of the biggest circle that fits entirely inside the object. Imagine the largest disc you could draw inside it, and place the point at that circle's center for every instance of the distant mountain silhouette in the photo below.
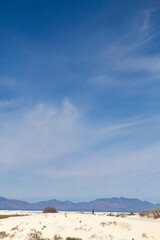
(103, 205)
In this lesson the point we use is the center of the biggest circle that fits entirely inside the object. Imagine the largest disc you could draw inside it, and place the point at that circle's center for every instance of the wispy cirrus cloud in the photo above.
(10, 103)
(45, 133)
(131, 53)
(40, 134)
(150, 65)
(7, 82)
(105, 164)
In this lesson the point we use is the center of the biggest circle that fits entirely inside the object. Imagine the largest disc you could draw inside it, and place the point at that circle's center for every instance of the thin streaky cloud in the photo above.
(133, 162)
(127, 55)
(46, 133)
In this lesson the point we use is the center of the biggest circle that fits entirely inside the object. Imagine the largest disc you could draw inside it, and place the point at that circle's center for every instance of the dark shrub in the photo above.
(151, 213)
(3, 235)
(131, 213)
(57, 237)
(49, 210)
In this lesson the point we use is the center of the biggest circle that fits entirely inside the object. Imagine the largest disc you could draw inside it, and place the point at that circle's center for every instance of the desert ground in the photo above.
(27, 225)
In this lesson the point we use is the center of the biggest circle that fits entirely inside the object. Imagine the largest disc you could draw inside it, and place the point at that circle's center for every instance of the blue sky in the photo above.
(79, 99)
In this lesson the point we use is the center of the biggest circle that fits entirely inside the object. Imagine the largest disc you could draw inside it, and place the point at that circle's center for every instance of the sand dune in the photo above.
(37, 225)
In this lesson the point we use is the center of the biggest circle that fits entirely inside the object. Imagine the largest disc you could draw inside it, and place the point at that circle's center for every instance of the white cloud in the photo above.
(111, 162)
(102, 80)
(9, 103)
(46, 134)
(106, 164)
(5, 103)
(7, 82)
(129, 59)
(113, 130)
(145, 63)
(40, 134)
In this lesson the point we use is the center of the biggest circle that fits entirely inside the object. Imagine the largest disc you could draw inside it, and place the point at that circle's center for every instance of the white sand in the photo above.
(80, 225)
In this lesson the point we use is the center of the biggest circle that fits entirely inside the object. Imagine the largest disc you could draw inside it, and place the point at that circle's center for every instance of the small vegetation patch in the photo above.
(114, 223)
(73, 238)
(43, 227)
(131, 213)
(110, 214)
(121, 215)
(82, 212)
(3, 235)
(57, 237)
(15, 228)
(35, 235)
(144, 235)
(108, 223)
(103, 224)
(152, 213)
(94, 236)
(49, 209)
(13, 215)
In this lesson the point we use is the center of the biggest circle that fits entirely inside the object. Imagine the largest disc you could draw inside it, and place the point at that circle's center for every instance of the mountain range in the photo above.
(102, 205)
